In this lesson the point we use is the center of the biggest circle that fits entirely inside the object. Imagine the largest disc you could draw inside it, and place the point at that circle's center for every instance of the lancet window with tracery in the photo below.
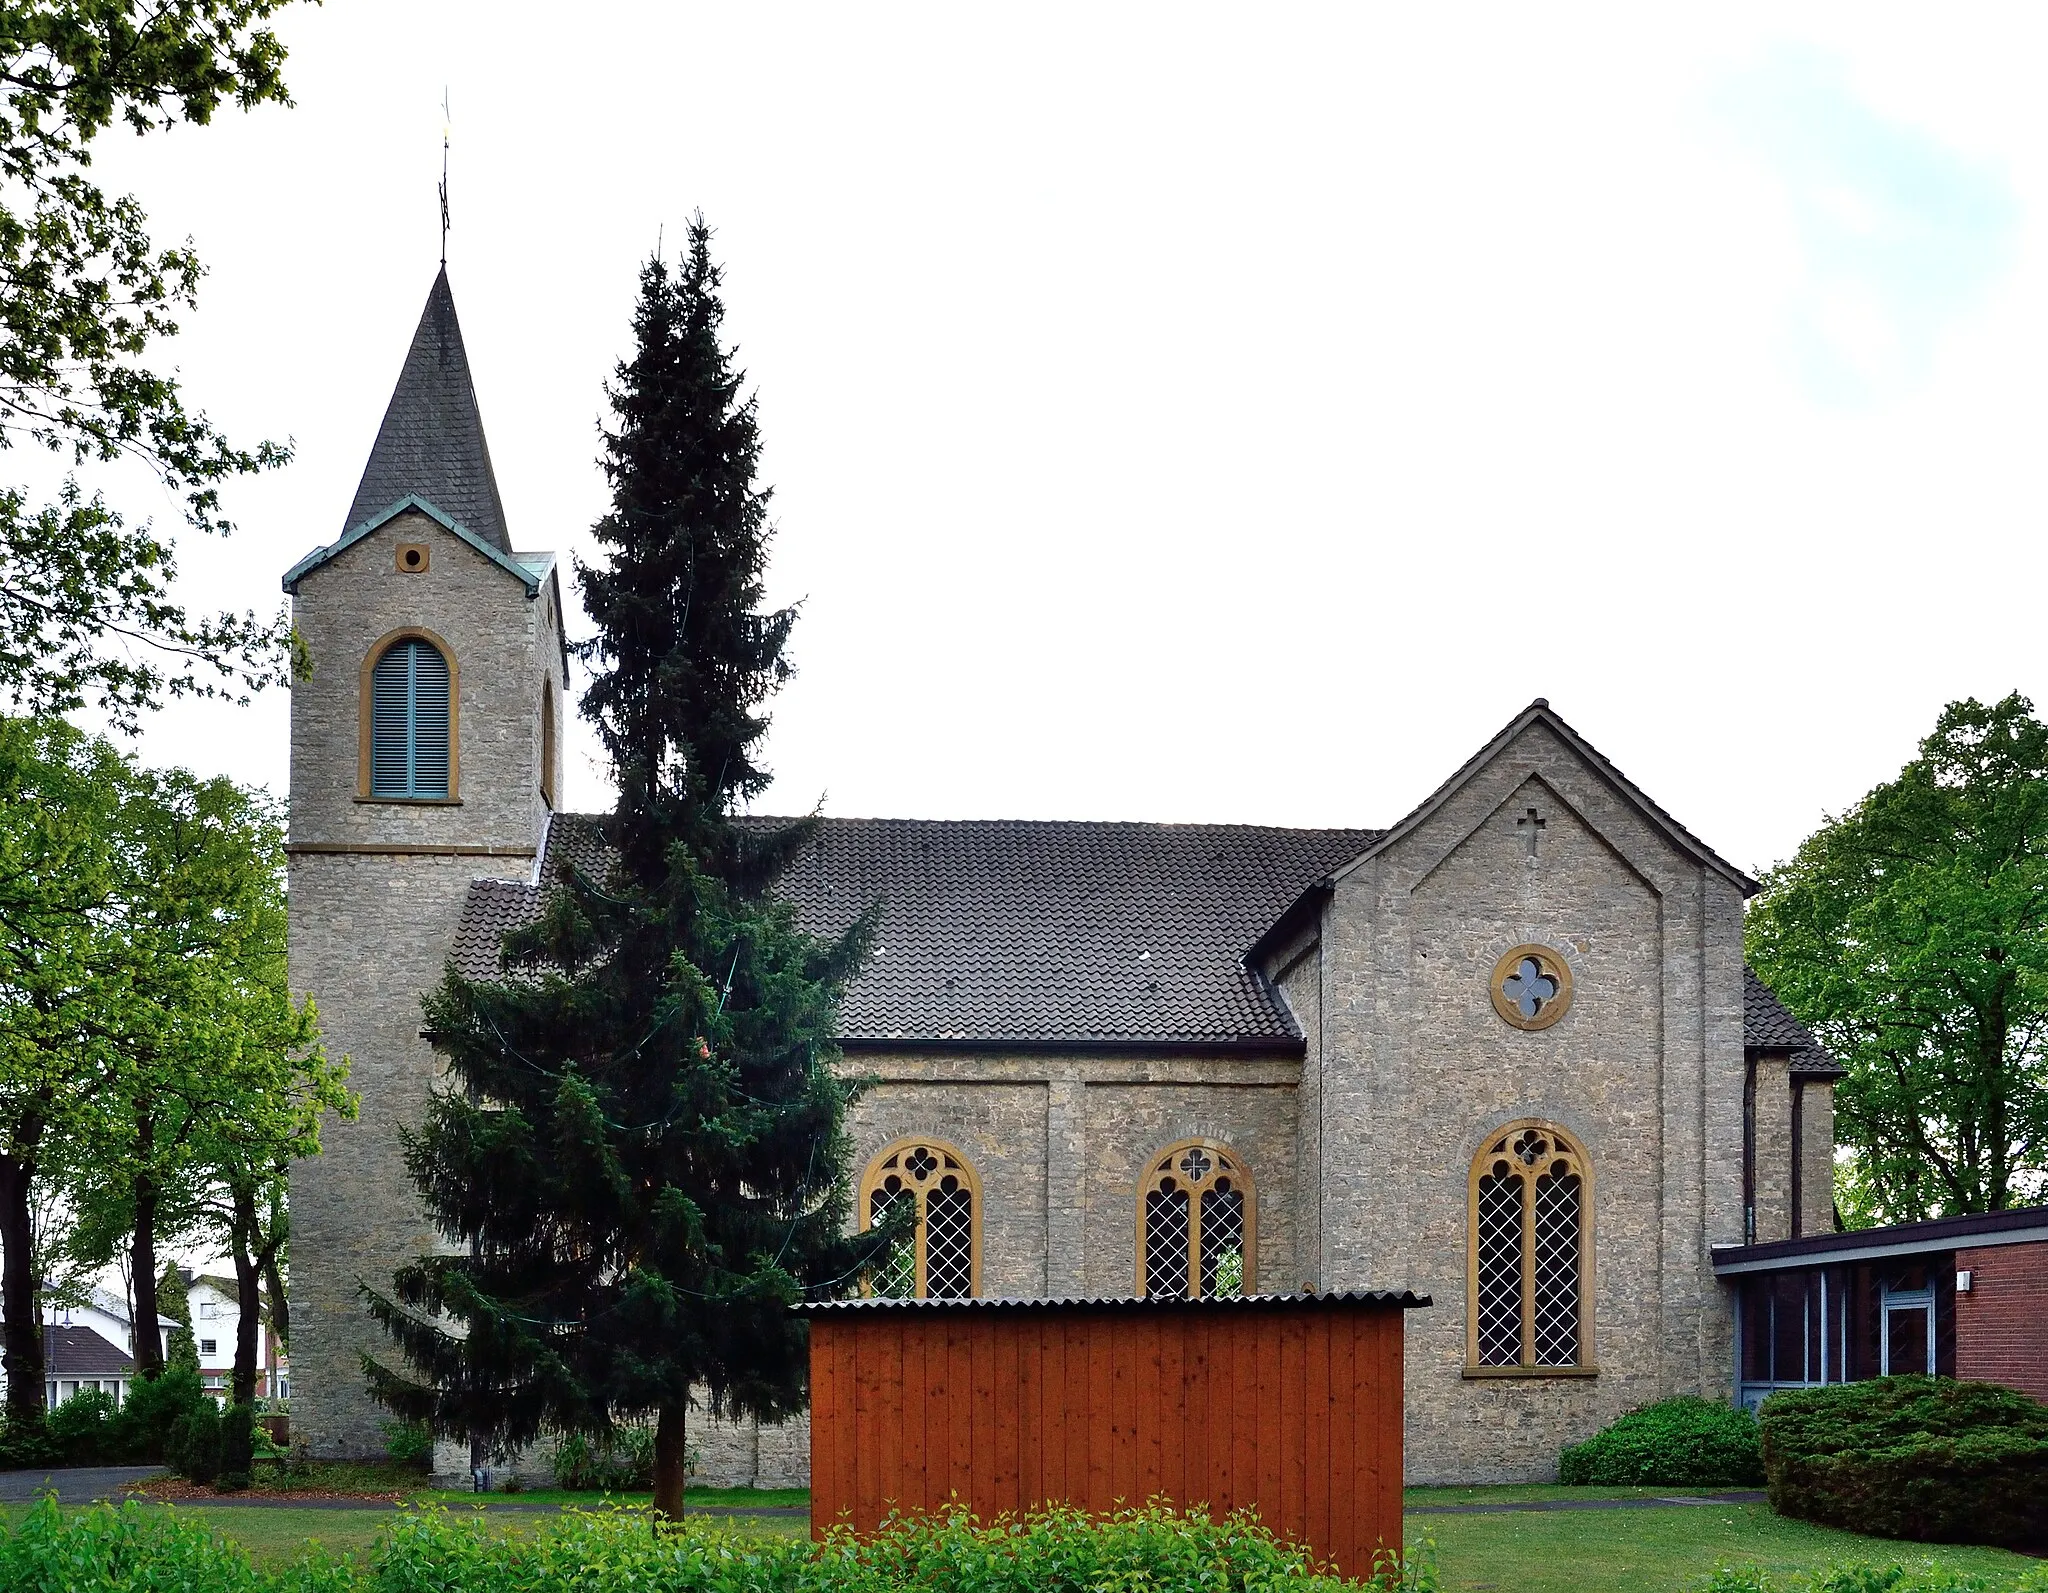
(1529, 1273)
(942, 1258)
(1197, 1216)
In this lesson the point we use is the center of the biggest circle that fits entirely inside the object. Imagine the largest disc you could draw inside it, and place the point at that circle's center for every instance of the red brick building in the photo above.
(1955, 1297)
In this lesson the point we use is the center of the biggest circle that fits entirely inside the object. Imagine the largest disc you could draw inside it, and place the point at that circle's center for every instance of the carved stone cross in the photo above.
(1533, 825)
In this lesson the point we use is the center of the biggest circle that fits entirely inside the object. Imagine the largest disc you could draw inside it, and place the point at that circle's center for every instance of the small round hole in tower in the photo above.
(412, 558)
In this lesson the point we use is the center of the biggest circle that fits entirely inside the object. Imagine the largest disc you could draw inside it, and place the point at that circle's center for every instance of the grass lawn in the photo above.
(1655, 1550)
(1672, 1549)
(693, 1498)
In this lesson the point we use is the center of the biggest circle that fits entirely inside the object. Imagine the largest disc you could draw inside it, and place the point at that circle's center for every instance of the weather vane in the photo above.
(447, 119)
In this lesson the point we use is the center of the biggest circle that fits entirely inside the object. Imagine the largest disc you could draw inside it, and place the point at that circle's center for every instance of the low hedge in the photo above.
(1927, 1458)
(155, 1548)
(1676, 1443)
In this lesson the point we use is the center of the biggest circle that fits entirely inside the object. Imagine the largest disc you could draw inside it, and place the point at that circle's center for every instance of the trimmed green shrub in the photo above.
(409, 1444)
(141, 1430)
(193, 1449)
(1911, 1457)
(82, 1428)
(25, 1444)
(237, 1447)
(1676, 1443)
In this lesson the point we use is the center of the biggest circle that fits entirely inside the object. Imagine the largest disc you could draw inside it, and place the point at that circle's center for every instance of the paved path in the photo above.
(1745, 1497)
(74, 1484)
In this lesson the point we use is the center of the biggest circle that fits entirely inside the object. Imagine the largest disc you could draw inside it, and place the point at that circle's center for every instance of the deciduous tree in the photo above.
(1911, 935)
(88, 611)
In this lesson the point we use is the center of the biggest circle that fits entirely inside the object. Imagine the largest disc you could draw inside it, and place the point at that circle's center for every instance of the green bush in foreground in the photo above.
(153, 1549)
(1676, 1443)
(1927, 1577)
(1911, 1457)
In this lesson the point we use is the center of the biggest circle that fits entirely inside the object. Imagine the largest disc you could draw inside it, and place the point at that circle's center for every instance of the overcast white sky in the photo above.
(1212, 413)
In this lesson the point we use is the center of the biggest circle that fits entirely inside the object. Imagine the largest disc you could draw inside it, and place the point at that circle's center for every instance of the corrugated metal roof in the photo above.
(1404, 1299)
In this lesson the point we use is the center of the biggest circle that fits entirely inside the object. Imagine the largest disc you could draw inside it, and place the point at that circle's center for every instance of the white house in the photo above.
(216, 1316)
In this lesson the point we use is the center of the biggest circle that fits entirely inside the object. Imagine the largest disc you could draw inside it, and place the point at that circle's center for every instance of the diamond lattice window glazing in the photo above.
(1196, 1212)
(1529, 1252)
(941, 1259)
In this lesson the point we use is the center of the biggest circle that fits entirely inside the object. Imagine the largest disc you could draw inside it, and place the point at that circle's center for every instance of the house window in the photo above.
(408, 708)
(1529, 1257)
(208, 1310)
(209, 1346)
(943, 1258)
(1197, 1216)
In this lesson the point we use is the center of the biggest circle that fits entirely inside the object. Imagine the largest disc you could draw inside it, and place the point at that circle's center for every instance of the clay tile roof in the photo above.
(431, 444)
(1767, 1026)
(80, 1352)
(1082, 934)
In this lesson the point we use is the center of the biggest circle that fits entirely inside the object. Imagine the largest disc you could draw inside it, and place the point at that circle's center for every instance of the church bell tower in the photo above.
(425, 754)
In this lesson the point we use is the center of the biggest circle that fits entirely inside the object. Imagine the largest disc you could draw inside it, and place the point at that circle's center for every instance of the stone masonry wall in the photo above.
(373, 906)
(1773, 1149)
(1817, 1178)
(1645, 1071)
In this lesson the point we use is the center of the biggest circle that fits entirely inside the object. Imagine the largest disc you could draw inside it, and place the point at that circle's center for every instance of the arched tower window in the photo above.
(547, 741)
(408, 711)
(1529, 1261)
(943, 1259)
(1197, 1222)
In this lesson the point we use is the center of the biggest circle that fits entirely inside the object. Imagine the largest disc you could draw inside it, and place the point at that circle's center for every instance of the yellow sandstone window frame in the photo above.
(1226, 1164)
(366, 691)
(893, 1159)
(1498, 1150)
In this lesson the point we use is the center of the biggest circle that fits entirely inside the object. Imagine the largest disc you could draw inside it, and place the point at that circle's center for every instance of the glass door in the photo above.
(1907, 1339)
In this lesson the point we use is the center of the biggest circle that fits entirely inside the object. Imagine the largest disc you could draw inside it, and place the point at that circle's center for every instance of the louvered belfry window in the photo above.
(409, 721)
(942, 1260)
(1195, 1214)
(1528, 1252)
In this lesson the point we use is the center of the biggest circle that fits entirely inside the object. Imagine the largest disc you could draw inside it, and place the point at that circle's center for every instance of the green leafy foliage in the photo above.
(25, 1441)
(83, 1426)
(145, 1549)
(622, 1463)
(87, 605)
(1675, 1443)
(1925, 1577)
(1911, 935)
(1911, 1457)
(151, 1413)
(237, 1447)
(410, 1444)
(104, 1550)
(193, 1448)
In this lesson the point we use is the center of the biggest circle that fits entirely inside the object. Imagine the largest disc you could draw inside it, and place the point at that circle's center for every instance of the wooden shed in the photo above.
(1290, 1404)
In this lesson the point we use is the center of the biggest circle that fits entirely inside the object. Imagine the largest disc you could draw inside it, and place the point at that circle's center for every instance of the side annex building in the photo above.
(1504, 1053)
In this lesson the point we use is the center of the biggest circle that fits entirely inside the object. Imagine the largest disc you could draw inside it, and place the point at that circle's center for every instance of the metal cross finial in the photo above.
(1534, 825)
(447, 122)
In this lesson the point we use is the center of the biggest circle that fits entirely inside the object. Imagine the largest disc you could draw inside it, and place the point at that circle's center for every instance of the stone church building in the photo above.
(1504, 1053)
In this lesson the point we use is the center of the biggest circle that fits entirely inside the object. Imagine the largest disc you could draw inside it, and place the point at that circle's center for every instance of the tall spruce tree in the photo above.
(641, 1151)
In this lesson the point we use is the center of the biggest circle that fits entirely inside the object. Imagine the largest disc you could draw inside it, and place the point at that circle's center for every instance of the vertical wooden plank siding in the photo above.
(1290, 1409)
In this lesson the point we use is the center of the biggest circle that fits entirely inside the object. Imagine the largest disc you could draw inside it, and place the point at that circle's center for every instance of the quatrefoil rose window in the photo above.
(1532, 987)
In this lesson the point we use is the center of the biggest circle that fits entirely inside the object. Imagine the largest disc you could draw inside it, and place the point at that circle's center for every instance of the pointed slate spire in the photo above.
(432, 440)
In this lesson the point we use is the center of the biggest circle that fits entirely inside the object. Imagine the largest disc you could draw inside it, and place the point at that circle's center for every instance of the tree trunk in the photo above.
(280, 1308)
(248, 1300)
(149, 1343)
(22, 1338)
(668, 1463)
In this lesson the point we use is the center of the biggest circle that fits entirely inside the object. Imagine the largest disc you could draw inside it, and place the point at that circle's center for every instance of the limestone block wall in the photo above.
(1645, 1071)
(1060, 1141)
(1773, 1149)
(376, 889)
(1817, 1150)
(502, 643)
(368, 933)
